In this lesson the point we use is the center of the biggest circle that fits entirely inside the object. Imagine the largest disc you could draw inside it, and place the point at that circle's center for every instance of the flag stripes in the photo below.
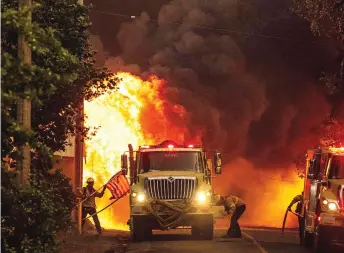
(118, 185)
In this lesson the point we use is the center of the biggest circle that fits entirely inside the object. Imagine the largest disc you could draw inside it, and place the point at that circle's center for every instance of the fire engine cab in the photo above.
(171, 186)
(323, 205)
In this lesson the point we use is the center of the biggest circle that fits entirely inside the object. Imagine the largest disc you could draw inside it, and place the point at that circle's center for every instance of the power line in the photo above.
(265, 36)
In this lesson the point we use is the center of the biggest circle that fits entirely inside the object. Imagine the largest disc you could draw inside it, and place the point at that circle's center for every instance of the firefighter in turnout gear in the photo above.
(299, 200)
(89, 204)
(233, 206)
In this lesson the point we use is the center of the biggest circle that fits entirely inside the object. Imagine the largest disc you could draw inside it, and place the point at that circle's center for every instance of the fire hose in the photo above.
(180, 210)
(285, 218)
(113, 202)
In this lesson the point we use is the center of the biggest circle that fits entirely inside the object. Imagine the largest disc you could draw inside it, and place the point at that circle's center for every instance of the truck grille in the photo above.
(170, 188)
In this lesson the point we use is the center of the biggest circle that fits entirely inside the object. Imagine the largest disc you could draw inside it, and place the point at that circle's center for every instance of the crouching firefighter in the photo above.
(89, 204)
(233, 206)
(298, 211)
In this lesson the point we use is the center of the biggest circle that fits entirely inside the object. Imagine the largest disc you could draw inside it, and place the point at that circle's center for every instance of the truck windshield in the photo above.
(337, 168)
(171, 161)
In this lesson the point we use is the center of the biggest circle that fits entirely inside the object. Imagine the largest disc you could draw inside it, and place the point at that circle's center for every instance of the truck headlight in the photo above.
(329, 204)
(139, 197)
(332, 206)
(203, 197)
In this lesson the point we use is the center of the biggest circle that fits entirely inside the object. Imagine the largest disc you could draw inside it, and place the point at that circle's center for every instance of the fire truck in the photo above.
(171, 186)
(323, 205)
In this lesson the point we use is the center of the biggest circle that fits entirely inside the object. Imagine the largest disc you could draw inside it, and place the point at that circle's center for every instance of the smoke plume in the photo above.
(239, 113)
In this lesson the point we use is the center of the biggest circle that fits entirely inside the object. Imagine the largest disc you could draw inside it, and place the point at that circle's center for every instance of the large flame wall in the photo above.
(137, 114)
(133, 114)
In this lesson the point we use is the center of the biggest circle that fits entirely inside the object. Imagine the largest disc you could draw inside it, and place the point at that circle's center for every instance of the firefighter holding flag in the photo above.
(118, 186)
(89, 203)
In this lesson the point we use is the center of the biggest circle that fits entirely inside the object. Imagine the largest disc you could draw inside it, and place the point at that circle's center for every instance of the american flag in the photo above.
(118, 185)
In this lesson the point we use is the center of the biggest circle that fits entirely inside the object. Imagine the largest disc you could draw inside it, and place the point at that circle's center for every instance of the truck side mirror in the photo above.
(124, 164)
(217, 163)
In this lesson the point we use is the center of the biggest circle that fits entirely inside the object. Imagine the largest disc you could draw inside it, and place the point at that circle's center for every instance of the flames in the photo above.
(138, 113)
(266, 193)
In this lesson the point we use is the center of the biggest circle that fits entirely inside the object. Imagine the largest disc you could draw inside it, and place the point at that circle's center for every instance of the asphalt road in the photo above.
(254, 241)
(179, 241)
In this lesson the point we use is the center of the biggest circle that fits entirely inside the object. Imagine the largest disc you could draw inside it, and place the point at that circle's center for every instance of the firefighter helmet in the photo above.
(90, 180)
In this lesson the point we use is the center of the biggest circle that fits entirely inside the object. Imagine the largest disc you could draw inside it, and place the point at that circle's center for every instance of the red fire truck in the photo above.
(323, 205)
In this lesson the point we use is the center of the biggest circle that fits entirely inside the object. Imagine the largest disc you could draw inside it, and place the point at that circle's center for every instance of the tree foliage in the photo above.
(32, 215)
(326, 18)
(54, 116)
(61, 75)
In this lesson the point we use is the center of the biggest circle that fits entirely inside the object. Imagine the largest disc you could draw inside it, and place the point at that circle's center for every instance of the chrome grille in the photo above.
(169, 188)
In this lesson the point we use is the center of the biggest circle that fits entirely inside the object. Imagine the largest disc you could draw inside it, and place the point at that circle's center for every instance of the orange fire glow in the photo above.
(266, 193)
(135, 114)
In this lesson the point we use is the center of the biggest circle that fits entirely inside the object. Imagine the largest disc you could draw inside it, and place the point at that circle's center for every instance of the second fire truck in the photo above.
(323, 205)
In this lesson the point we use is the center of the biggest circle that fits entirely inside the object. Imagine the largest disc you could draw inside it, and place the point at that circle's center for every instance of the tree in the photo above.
(326, 18)
(61, 75)
(54, 117)
(31, 215)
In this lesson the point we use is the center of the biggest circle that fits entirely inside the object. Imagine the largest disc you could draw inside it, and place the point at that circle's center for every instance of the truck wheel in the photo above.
(148, 234)
(204, 230)
(137, 231)
(207, 230)
(195, 231)
(308, 239)
(321, 242)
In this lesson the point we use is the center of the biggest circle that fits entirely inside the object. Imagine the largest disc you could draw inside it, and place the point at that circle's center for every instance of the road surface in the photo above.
(254, 241)
(180, 241)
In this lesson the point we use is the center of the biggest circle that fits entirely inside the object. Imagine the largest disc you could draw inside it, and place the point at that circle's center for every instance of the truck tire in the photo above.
(308, 239)
(321, 242)
(203, 230)
(137, 231)
(195, 231)
(208, 231)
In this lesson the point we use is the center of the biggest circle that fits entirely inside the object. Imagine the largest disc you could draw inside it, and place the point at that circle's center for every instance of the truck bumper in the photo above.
(191, 219)
(335, 233)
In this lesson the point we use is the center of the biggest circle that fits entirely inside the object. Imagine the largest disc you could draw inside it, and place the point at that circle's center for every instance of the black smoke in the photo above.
(252, 96)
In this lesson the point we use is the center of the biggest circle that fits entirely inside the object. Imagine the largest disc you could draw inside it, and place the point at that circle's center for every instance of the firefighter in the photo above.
(299, 200)
(233, 206)
(89, 204)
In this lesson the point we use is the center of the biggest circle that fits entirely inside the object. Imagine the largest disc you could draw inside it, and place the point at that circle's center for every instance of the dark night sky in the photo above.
(106, 26)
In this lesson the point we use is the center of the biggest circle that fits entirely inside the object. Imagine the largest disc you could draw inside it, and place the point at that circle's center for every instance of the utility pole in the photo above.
(79, 153)
(24, 104)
